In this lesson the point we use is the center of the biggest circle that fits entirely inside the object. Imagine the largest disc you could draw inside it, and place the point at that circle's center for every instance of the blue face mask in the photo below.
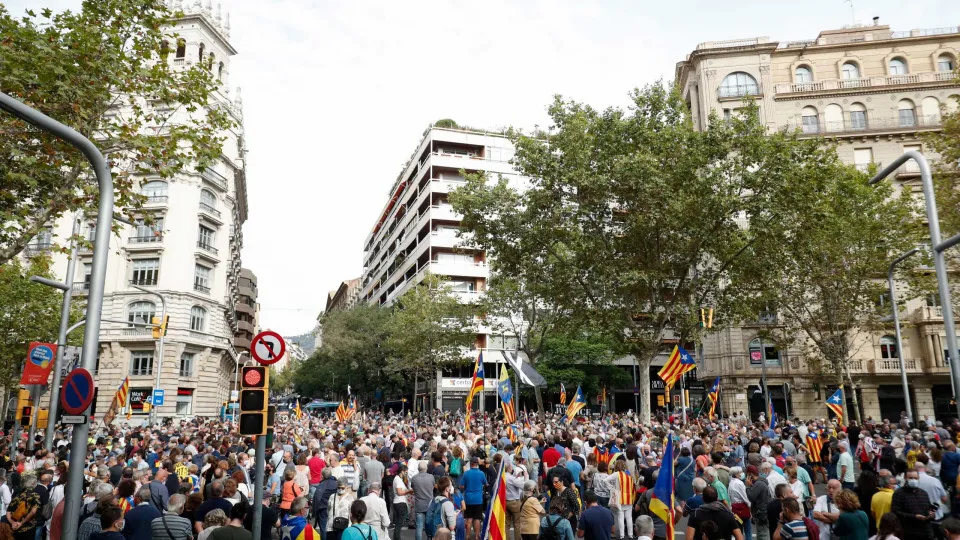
(763, 475)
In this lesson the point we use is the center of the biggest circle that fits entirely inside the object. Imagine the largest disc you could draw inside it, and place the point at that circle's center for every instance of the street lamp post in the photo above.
(938, 247)
(896, 327)
(163, 316)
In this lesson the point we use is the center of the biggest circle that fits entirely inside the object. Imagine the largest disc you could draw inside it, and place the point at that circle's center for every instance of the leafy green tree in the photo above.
(637, 219)
(946, 143)
(31, 312)
(101, 71)
(430, 328)
(584, 359)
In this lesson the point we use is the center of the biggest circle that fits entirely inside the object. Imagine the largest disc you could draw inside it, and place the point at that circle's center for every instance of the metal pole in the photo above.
(896, 327)
(61, 339)
(16, 424)
(763, 376)
(258, 483)
(933, 219)
(683, 398)
(34, 415)
(163, 316)
(636, 389)
(91, 336)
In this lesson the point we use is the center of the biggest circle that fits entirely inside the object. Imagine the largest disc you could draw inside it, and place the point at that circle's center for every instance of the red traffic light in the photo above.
(255, 377)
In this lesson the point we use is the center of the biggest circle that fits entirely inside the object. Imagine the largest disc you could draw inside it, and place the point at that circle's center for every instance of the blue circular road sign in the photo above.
(77, 392)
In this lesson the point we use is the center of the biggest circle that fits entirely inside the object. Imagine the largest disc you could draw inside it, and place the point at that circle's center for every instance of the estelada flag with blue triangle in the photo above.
(835, 403)
(680, 362)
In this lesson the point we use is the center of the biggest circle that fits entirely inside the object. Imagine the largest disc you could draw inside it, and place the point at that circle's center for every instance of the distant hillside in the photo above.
(305, 341)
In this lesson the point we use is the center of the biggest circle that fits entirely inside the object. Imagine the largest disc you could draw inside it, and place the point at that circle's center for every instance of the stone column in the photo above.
(924, 397)
(870, 401)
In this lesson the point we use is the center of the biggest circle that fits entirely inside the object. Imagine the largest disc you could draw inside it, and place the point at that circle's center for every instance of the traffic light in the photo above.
(23, 400)
(42, 418)
(159, 328)
(254, 400)
(706, 318)
(26, 416)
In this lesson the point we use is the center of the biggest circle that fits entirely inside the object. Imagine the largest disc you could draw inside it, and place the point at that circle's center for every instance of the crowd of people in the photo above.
(377, 474)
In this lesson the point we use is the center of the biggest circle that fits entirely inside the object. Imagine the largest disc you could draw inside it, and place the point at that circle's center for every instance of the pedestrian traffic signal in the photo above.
(254, 400)
(706, 318)
(26, 417)
(160, 328)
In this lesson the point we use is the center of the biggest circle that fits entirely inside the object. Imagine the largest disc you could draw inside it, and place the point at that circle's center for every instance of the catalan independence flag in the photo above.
(661, 502)
(835, 403)
(341, 413)
(627, 491)
(506, 398)
(679, 363)
(476, 386)
(298, 411)
(714, 396)
(123, 392)
(579, 402)
(495, 524)
(814, 447)
(563, 394)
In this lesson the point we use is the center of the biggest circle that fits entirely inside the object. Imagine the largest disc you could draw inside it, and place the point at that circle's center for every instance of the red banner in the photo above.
(40, 360)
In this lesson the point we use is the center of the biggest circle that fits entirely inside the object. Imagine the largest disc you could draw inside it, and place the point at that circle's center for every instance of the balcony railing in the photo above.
(893, 364)
(156, 199)
(865, 82)
(144, 282)
(32, 250)
(179, 61)
(204, 207)
(81, 288)
(822, 127)
(146, 238)
(741, 90)
(215, 178)
(854, 83)
(207, 247)
(201, 288)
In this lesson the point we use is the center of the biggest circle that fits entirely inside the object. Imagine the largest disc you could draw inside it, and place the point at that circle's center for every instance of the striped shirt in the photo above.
(180, 528)
(795, 530)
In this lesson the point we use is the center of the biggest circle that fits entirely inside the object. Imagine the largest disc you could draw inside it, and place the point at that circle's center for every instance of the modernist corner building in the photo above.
(874, 92)
(190, 255)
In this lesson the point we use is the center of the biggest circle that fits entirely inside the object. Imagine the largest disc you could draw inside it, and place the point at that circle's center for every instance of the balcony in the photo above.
(827, 85)
(32, 250)
(884, 366)
(207, 247)
(201, 288)
(146, 238)
(80, 289)
(464, 269)
(739, 91)
(209, 210)
(156, 200)
(215, 178)
(847, 126)
(144, 282)
(928, 314)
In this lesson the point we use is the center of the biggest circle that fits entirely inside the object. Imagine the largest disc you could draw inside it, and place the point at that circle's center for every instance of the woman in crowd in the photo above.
(853, 523)
(214, 519)
(358, 530)
(685, 475)
(889, 528)
(290, 490)
(531, 510)
(338, 510)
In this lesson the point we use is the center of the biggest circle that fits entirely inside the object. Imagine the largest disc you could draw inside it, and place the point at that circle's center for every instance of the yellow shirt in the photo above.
(880, 503)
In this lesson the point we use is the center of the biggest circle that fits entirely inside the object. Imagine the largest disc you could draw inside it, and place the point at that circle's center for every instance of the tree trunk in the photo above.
(643, 382)
(416, 379)
(846, 416)
(541, 414)
(856, 402)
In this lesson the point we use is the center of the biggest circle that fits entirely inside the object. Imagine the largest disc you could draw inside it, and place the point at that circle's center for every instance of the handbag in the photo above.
(741, 510)
(340, 524)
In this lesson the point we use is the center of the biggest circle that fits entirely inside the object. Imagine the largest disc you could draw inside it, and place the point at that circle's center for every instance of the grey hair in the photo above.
(103, 490)
(766, 467)
(29, 481)
(326, 473)
(645, 526)
(711, 472)
(529, 486)
(176, 502)
(215, 517)
(422, 466)
(144, 493)
(374, 486)
(735, 471)
(561, 462)
(297, 506)
(699, 484)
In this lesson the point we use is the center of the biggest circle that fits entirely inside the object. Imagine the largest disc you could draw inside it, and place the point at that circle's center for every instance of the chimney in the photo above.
(876, 21)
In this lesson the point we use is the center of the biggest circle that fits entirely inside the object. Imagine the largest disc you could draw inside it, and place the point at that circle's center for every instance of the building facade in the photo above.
(344, 297)
(184, 248)
(874, 92)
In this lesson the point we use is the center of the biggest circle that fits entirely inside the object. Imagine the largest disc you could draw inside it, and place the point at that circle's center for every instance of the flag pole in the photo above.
(683, 397)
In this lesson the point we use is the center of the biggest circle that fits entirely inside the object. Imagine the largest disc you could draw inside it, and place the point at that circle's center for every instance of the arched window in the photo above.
(945, 63)
(833, 117)
(210, 60)
(181, 48)
(858, 116)
(200, 54)
(810, 120)
(141, 312)
(155, 191)
(930, 106)
(767, 353)
(220, 72)
(888, 347)
(198, 318)
(907, 113)
(739, 84)
(803, 74)
(208, 198)
(898, 66)
(851, 71)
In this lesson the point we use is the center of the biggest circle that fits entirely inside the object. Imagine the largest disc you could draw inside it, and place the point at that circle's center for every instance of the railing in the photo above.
(146, 238)
(749, 42)
(921, 32)
(207, 247)
(806, 87)
(215, 178)
(204, 207)
(81, 288)
(32, 250)
(156, 199)
(740, 90)
(137, 331)
(869, 124)
(797, 43)
(854, 83)
(179, 61)
(865, 82)
(893, 364)
(145, 282)
(201, 288)
(946, 76)
(902, 79)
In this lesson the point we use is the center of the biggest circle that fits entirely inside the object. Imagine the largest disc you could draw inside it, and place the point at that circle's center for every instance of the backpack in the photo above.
(550, 532)
(434, 516)
(813, 530)
(455, 467)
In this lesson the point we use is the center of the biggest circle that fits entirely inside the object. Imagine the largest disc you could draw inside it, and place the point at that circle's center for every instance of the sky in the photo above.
(336, 95)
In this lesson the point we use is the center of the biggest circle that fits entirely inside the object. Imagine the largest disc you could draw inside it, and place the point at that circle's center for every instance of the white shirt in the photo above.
(774, 479)
(5, 496)
(934, 490)
(398, 484)
(824, 507)
(737, 491)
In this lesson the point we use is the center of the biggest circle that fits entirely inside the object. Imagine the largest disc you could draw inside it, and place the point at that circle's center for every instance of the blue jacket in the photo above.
(136, 522)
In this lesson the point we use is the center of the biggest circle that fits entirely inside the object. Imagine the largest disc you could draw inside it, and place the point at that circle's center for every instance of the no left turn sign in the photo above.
(268, 347)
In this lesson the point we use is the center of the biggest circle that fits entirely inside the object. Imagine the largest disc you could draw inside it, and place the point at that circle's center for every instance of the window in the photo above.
(850, 71)
(210, 61)
(833, 117)
(802, 74)
(888, 347)
(155, 191)
(186, 364)
(862, 158)
(185, 401)
(932, 300)
(141, 363)
(503, 342)
(462, 286)
(858, 116)
(810, 119)
(908, 114)
(220, 72)
(455, 258)
(898, 67)
(208, 199)
(141, 312)
(91, 234)
(201, 279)
(930, 106)
(198, 317)
(145, 271)
(205, 237)
(911, 166)
(87, 273)
(181, 48)
(200, 53)
(144, 233)
(739, 84)
(768, 353)
(945, 63)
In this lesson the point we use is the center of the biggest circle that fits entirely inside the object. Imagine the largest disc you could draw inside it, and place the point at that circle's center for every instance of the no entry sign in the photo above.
(268, 347)
(77, 392)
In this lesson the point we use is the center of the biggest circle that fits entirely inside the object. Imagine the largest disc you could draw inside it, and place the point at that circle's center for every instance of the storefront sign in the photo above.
(138, 396)
(463, 384)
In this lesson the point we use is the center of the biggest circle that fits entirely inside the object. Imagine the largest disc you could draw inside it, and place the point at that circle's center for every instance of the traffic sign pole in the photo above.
(261, 463)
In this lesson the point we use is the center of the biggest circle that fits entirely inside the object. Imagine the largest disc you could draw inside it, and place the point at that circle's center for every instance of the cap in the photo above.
(474, 459)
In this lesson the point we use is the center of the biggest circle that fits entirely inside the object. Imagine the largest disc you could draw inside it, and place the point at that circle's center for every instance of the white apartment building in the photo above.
(874, 93)
(416, 233)
(190, 255)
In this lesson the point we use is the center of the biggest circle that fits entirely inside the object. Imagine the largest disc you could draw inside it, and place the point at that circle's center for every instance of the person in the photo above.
(401, 500)
(530, 511)
(825, 510)
(845, 466)
(23, 509)
(269, 520)
(951, 528)
(170, 526)
(159, 495)
(739, 501)
(711, 477)
(683, 485)
(912, 507)
(888, 528)
(321, 496)
(448, 510)
(291, 489)
(111, 521)
(294, 524)
(557, 522)
(358, 530)
(621, 498)
(794, 483)
(339, 507)
(694, 502)
(865, 490)
(5, 494)
(883, 499)
(233, 530)
(137, 522)
(758, 492)
(216, 501)
(377, 515)
(715, 510)
(933, 488)
(472, 482)
(853, 523)
(601, 484)
(568, 502)
(316, 465)
(643, 527)
(91, 524)
(790, 526)
(772, 477)
(595, 522)
(213, 520)
(515, 478)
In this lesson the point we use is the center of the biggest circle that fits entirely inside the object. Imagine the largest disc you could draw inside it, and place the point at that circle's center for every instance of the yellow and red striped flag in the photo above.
(679, 363)
(123, 392)
(495, 524)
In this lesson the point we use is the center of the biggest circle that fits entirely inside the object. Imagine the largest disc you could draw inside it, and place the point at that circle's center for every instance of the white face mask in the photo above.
(913, 482)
